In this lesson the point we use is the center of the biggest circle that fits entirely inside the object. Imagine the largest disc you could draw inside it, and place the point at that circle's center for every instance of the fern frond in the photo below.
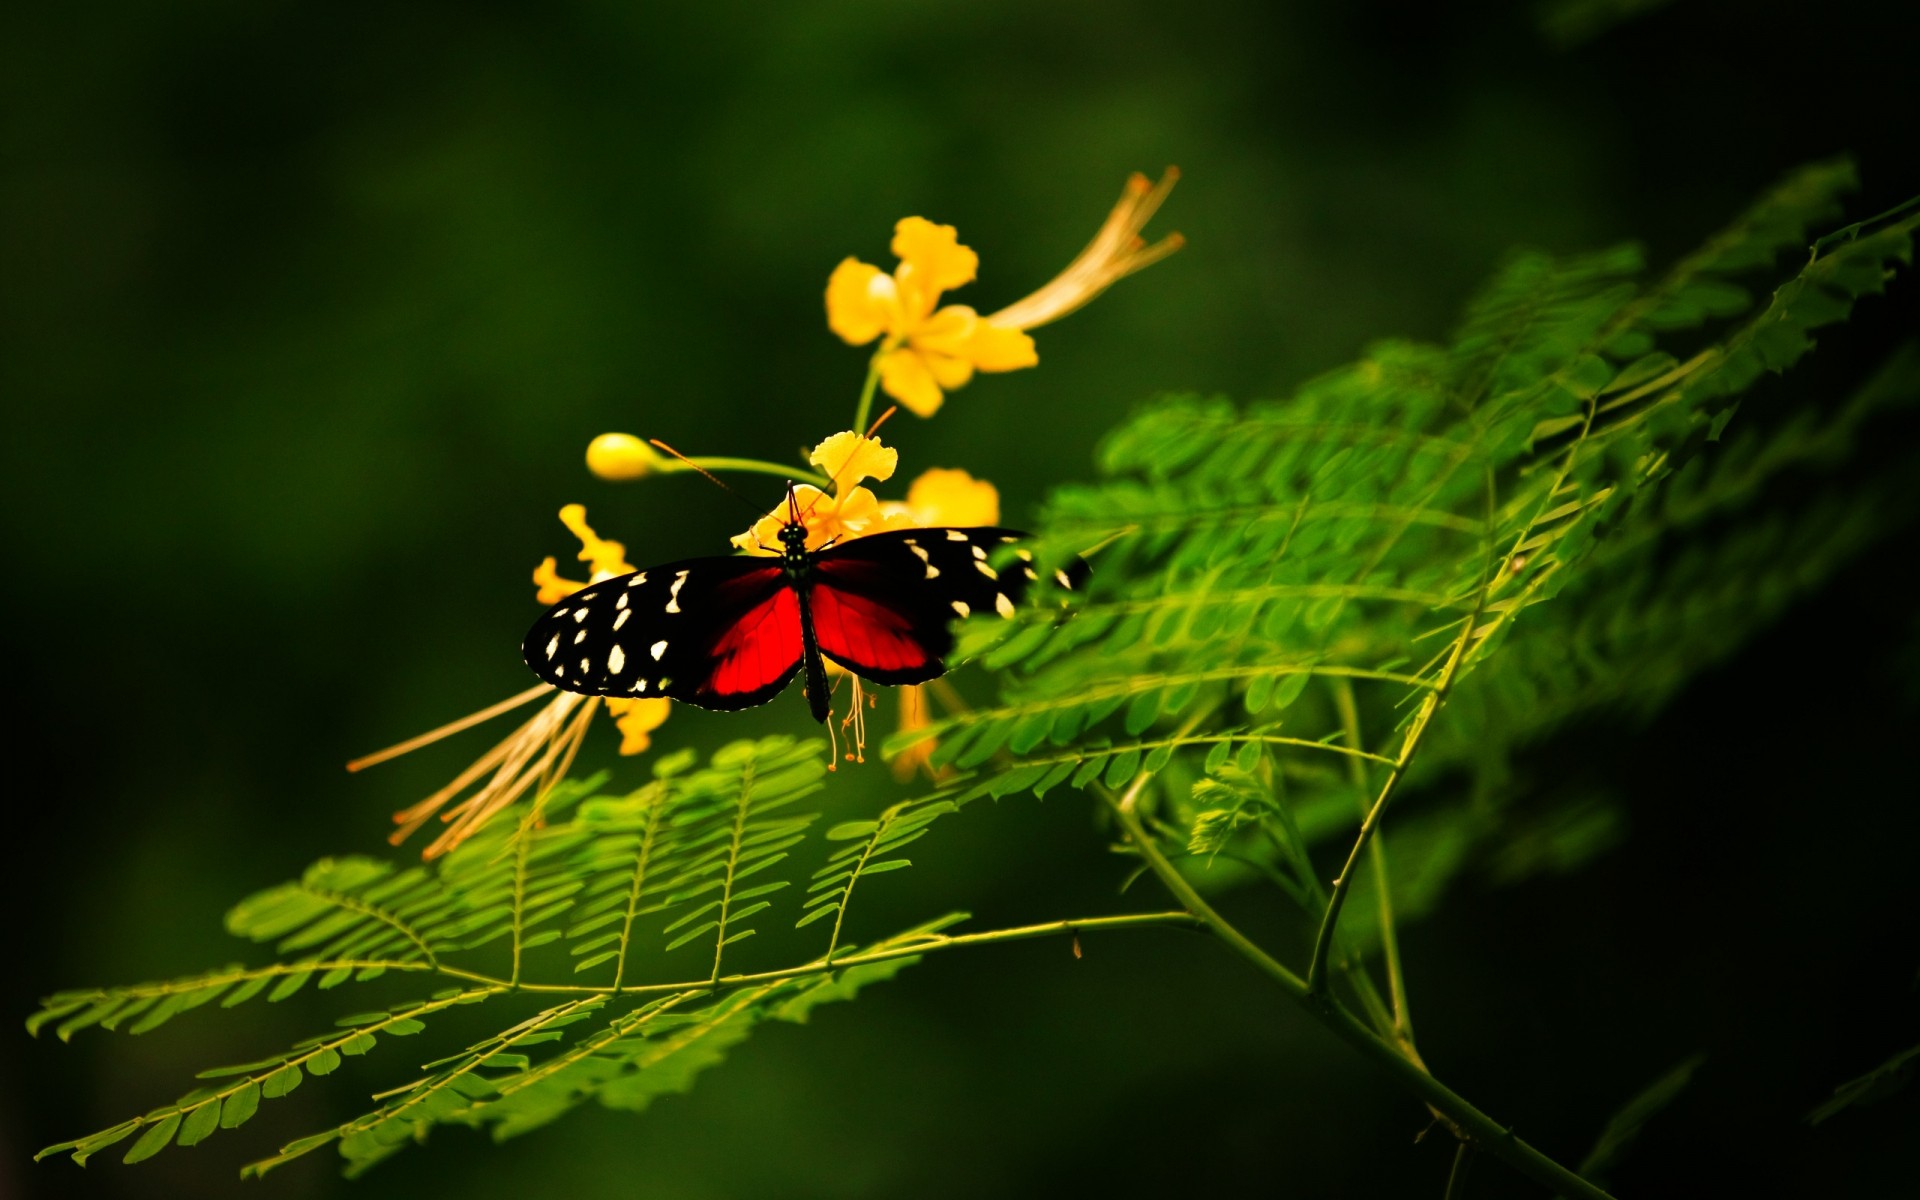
(232, 1103)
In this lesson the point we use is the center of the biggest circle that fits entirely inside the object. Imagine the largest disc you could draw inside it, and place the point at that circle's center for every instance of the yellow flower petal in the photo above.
(932, 257)
(553, 587)
(999, 348)
(907, 378)
(608, 558)
(948, 371)
(860, 302)
(946, 332)
(764, 537)
(944, 496)
(848, 459)
(637, 719)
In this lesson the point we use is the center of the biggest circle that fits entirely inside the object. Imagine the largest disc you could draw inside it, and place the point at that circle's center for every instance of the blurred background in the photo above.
(307, 313)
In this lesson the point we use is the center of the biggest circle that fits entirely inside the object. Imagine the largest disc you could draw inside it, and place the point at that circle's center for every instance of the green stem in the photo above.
(1499, 1140)
(1389, 935)
(864, 409)
(926, 946)
(751, 466)
(1409, 746)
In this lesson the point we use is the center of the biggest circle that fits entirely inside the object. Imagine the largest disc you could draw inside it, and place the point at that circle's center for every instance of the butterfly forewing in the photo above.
(717, 632)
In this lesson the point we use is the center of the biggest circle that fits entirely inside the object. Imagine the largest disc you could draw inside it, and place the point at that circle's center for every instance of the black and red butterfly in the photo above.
(731, 632)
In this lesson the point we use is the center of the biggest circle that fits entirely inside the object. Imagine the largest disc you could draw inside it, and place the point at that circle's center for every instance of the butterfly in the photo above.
(730, 632)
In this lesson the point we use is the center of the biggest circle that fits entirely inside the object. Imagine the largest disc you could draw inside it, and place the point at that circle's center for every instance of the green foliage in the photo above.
(1544, 518)
(1395, 531)
(681, 861)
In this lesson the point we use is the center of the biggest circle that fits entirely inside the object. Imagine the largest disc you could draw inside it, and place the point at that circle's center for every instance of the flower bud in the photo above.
(620, 457)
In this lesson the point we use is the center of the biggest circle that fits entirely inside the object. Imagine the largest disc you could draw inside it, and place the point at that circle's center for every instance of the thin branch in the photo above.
(1389, 935)
(1409, 746)
(1499, 1140)
(926, 945)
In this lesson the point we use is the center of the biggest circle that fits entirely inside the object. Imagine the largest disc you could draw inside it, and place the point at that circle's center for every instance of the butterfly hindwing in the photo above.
(717, 632)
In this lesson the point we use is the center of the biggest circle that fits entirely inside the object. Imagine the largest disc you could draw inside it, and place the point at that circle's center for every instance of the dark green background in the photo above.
(308, 311)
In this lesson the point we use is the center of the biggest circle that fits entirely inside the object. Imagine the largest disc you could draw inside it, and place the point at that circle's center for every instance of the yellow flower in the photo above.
(848, 459)
(943, 496)
(927, 351)
(542, 748)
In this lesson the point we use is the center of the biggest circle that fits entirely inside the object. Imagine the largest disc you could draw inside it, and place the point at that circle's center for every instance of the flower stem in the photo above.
(864, 409)
(752, 466)
(1468, 1121)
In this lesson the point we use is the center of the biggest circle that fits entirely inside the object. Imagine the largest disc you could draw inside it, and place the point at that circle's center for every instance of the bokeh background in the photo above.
(307, 312)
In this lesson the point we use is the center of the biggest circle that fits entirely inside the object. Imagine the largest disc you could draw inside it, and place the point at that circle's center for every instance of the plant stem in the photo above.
(1409, 745)
(819, 965)
(1389, 936)
(751, 466)
(1467, 1120)
(864, 409)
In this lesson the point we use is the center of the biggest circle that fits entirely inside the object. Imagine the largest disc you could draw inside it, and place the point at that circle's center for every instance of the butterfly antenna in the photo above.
(718, 482)
(835, 479)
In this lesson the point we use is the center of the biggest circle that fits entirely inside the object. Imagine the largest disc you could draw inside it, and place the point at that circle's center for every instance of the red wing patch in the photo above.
(873, 638)
(757, 653)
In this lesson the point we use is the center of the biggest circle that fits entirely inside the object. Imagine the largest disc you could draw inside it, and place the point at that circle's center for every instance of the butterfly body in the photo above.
(731, 632)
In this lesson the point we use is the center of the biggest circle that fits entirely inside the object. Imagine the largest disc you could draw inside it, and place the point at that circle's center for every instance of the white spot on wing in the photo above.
(616, 660)
(639, 577)
(673, 593)
(553, 647)
(657, 649)
(1023, 555)
(579, 616)
(579, 637)
(559, 669)
(1002, 605)
(986, 570)
(980, 552)
(954, 535)
(960, 606)
(621, 602)
(1062, 577)
(621, 619)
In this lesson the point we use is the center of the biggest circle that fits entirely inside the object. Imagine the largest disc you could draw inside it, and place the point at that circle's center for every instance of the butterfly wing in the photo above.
(882, 605)
(721, 633)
